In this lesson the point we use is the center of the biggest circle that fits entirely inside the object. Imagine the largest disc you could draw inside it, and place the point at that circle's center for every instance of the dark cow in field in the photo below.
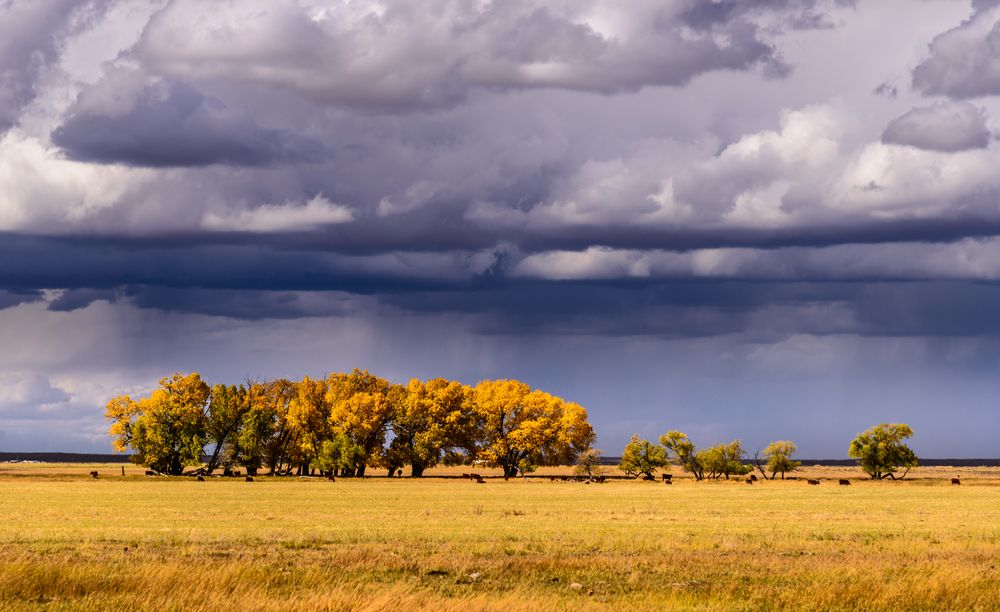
(750, 481)
(956, 481)
(845, 482)
(600, 479)
(479, 479)
(813, 482)
(93, 474)
(249, 479)
(150, 473)
(466, 476)
(201, 479)
(753, 477)
(331, 478)
(475, 477)
(666, 476)
(399, 473)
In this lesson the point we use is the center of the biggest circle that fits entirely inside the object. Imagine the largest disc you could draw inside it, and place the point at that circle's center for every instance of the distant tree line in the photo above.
(345, 423)
(880, 453)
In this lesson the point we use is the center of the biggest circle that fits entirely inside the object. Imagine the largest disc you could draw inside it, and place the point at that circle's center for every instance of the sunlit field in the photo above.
(69, 541)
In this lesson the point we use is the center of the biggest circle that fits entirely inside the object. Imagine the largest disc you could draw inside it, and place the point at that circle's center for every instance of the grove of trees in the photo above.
(880, 452)
(345, 423)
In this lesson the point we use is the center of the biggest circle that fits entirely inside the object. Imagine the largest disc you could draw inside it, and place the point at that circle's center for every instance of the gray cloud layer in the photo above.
(546, 189)
(172, 124)
(942, 127)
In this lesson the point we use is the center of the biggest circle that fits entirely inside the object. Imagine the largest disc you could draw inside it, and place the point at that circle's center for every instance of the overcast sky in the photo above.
(755, 219)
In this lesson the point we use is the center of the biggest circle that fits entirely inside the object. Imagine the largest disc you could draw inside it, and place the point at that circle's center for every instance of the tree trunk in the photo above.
(417, 470)
(360, 471)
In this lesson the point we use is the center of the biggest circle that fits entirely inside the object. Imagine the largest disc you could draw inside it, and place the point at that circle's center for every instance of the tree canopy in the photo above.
(881, 453)
(642, 458)
(346, 422)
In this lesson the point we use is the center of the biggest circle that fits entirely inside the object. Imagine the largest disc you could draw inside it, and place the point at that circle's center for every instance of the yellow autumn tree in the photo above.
(433, 418)
(519, 428)
(166, 430)
(362, 406)
(308, 421)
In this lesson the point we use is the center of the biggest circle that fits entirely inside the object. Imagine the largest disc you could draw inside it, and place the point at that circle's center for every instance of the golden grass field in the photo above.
(70, 542)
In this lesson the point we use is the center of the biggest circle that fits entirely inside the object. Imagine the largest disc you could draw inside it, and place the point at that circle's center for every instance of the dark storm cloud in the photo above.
(801, 14)
(10, 298)
(171, 123)
(942, 127)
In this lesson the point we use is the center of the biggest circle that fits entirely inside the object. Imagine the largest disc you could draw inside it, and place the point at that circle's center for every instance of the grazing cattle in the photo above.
(750, 481)
(955, 481)
(236, 472)
(479, 480)
(600, 479)
(753, 477)
(666, 476)
(813, 482)
(249, 478)
(466, 476)
(93, 474)
(845, 482)
(331, 478)
(150, 473)
(475, 477)
(399, 473)
(201, 479)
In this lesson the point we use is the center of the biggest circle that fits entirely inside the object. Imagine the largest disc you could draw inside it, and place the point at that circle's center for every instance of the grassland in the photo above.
(70, 542)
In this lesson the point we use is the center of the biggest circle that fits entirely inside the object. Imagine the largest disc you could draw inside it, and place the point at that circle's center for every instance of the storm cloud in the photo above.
(170, 123)
(665, 211)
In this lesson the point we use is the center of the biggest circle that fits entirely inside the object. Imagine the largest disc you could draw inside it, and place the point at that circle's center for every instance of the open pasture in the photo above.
(68, 541)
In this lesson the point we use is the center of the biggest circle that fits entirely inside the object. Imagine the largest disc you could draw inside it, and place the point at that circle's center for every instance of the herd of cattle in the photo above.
(667, 478)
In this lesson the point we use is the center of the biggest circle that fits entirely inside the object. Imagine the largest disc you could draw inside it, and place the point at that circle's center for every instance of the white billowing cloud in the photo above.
(964, 62)
(287, 217)
(394, 54)
(942, 127)
(886, 181)
(42, 191)
(967, 259)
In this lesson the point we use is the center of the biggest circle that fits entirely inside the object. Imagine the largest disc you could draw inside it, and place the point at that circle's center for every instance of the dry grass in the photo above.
(69, 542)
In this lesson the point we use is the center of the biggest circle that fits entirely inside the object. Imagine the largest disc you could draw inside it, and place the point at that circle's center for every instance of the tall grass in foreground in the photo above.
(381, 544)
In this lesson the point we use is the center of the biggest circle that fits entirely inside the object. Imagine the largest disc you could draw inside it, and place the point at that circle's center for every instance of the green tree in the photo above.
(681, 449)
(642, 457)
(339, 455)
(167, 429)
(724, 460)
(778, 456)
(257, 427)
(881, 453)
(224, 417)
